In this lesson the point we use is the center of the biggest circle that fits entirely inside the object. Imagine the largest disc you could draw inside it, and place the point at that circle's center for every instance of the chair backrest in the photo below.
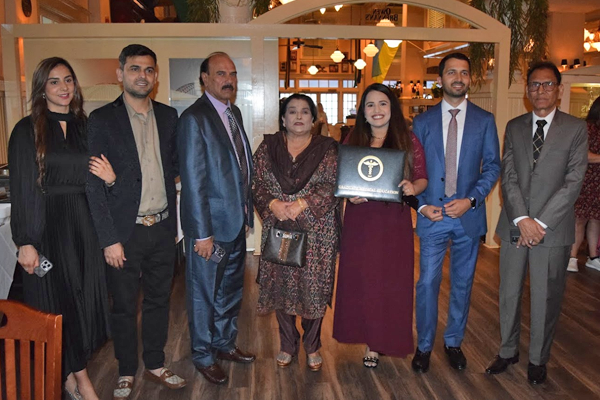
(27, 329)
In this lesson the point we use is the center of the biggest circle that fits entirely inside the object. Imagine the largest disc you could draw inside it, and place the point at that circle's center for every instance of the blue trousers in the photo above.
(214, 298)
(463, 258)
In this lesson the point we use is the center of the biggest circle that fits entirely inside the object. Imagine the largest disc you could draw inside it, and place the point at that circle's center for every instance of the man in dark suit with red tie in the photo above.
(216, 208)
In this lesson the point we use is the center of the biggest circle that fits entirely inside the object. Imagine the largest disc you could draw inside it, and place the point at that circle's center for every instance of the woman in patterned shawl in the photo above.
(293, 187)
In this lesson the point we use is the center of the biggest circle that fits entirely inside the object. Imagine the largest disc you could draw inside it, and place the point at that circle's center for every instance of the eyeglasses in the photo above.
(548, 86)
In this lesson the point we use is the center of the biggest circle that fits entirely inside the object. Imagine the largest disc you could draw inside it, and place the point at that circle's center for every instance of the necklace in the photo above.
(379, 138)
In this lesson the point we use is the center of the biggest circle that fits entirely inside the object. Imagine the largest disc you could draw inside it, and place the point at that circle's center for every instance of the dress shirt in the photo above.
(460, 121)
(221, 108)
(548, 118)
(145, 133)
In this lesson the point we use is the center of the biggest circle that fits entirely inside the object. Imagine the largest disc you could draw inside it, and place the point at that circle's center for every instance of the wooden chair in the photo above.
(24, 326)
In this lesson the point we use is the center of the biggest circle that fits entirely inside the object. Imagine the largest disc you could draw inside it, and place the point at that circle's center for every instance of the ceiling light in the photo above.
(313, 70)
(370, 50)
(360, 63)
(337, 56)
(323, 10)
(389, 24)
(285, 1)
(587, 46)
(338, 7)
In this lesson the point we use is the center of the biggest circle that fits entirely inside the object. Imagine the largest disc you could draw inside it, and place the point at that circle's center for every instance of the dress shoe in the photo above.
(456, 357)
(536, 374)
(236, 355)
(420, 361)
(498, 365)
(213, 373)
(167, 378)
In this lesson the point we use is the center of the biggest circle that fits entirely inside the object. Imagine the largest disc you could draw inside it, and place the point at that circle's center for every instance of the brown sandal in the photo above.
(284, 359)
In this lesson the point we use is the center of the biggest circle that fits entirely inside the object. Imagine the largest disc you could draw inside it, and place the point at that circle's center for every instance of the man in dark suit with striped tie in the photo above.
(545, 159)
(216, 209)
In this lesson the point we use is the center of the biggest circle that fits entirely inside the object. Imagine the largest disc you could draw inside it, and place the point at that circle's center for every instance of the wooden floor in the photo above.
(573, 371)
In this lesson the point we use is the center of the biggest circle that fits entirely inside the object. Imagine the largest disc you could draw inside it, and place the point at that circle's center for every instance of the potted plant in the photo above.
(436, 90)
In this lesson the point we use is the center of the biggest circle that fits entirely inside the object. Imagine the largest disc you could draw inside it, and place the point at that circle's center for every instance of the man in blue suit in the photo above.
(216, 208)
(463, 163)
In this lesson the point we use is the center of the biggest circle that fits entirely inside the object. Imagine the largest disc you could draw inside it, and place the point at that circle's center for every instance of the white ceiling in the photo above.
(574, 6)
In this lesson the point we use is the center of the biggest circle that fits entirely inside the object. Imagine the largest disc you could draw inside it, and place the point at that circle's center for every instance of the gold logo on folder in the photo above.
(370, 168)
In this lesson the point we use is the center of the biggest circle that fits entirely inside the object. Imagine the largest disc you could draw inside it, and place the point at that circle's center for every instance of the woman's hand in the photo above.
(28, 258)
(279, 209)
(358, 200)
(293, 210)
(408, 189)
(102, 169)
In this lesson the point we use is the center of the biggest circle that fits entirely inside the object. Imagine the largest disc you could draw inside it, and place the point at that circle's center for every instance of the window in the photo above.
(330, 106)
(291, 84)
(350, 102)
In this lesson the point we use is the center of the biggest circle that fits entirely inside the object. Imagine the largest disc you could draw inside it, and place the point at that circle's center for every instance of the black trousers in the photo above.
(150, 254)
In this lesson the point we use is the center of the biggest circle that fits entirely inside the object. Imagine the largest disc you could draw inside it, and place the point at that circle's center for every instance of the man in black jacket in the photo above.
(135, 216)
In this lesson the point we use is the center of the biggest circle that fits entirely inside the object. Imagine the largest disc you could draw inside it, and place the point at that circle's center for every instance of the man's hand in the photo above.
(433, 213)
(204, 248)
(531, 232)
(456, 208)
(115, 255)
(28, 258)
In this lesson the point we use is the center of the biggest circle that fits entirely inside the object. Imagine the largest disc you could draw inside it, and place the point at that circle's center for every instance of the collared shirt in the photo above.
(460, 120)
(221, 108)
(548, 118)
(145, 133)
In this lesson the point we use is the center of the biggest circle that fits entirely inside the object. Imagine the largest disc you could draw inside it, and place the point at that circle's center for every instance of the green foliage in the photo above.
(528, 23)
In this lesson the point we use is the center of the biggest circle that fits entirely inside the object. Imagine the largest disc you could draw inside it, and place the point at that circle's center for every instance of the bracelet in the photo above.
(271, 203)
(302, 204)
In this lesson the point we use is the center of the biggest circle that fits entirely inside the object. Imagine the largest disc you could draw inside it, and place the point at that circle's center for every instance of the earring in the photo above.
(43, 95)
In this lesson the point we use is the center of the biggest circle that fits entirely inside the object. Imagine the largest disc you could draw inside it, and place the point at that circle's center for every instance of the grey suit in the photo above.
(548, 193)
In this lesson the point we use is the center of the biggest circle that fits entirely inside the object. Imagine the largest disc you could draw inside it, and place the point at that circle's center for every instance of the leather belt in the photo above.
(149, 220)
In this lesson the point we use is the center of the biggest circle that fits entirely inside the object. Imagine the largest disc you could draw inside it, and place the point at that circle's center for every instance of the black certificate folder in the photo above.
(370, 172)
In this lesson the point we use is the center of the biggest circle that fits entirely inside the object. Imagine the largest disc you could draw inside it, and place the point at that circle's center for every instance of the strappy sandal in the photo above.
(371, 362)
(284, 359)
(315, 362)
(123, 389)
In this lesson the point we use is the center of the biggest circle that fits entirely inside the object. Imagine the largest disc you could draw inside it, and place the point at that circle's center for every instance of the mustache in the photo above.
(227, 87)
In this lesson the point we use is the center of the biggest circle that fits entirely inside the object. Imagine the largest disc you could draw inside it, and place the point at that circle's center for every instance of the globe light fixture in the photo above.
(313, 70)
(370, 50)
(323, 10)
(337, 56)
(360, 63)
(391, 43)
(338, 7)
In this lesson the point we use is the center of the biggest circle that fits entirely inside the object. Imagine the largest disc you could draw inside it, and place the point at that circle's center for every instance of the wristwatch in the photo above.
(473, 202)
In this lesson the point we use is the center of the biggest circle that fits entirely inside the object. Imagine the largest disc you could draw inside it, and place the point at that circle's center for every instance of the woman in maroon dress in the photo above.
(374, 300)
(587, 207)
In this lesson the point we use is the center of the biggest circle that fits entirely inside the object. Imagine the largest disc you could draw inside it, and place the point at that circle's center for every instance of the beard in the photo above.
(455, 92)
(138, 92)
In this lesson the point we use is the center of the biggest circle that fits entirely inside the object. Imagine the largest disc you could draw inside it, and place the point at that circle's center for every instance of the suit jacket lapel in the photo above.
(126, 130)
(222, 135)
(163, 130)
(437, 131)
(554, 134)
(469, 130)
(525, 138)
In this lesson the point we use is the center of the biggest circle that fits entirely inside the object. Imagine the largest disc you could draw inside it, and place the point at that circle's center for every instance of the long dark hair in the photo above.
(593, 117)
(398, 137)
(39, 107)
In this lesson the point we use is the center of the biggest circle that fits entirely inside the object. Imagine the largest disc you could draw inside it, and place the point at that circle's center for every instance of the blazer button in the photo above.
(441, 199)
(138, 179)
(442, 179)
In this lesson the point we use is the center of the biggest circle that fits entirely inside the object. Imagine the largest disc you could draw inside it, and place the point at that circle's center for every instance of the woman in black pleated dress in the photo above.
(50, 216)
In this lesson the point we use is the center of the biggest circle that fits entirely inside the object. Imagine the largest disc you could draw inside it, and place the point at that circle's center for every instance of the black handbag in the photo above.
(285, 247)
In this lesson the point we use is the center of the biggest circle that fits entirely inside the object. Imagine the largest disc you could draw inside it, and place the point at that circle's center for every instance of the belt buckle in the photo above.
(149, 220)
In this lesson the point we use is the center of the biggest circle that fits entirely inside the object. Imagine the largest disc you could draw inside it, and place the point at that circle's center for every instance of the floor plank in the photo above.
(573, 371)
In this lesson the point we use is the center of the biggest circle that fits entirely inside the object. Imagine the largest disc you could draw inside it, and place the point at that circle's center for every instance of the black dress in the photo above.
(56, 221)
